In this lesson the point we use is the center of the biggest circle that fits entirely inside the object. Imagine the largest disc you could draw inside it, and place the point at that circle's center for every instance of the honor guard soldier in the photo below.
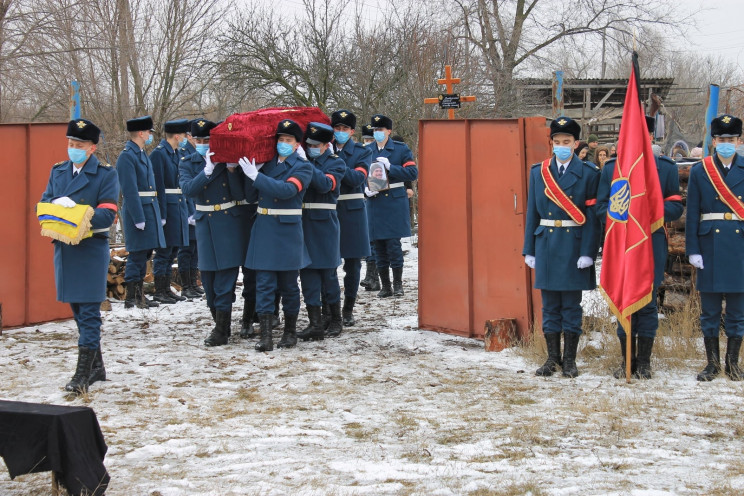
(560, 241)
(140, 211)
(321, 231)
(371, 281)
(277, 248)
(351, 210)
(715, 243)
(80, 270)
(221, 234)
(389, 212)
(174, 209)
(188, 256)
(645, 322)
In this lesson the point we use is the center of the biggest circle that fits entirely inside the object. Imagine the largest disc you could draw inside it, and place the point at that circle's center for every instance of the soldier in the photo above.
(80, 270)
(371, 281)
(351, 210)
(645, 321)
(221, 233)
(389, 212)
(714, 243)
(560, 241)
(174, 209)
(140, 211)
(188, 256)
(277, 249)
(367, 135)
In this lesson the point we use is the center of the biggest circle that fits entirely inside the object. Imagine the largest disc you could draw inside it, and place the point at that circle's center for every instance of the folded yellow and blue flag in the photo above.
(68, 225)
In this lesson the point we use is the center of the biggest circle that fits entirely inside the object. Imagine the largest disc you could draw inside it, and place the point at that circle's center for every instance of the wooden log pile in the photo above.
(115, 279)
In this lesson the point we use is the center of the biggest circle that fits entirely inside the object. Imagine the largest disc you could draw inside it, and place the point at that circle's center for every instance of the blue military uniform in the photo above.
(188, 255)
(173, 205)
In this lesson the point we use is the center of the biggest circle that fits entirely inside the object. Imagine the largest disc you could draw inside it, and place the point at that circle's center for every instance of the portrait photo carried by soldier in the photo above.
(377, 180)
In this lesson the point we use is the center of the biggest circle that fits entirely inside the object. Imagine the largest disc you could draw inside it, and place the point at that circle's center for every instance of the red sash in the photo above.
(558, 196)
(724, 193)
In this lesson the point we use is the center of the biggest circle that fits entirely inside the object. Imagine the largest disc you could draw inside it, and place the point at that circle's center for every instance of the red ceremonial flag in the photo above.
(634, 211)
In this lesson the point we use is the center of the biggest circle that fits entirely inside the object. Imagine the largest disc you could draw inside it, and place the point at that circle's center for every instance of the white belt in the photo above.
(279, 211)
(726, 216)
(148, 193)
(215, 208)
(396, 185)
(558, 223)
(173, 191)
(351, 196)
(102, 230)
(319, 206)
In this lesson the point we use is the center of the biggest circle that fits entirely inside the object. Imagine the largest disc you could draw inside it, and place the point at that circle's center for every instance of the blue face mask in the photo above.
(562, 153)
(77, 156)
(183, 142)
(726, 150)
(284, 149)
(314, 152)
(379, 136)
(202, 149)
(342, 136)
(149, 140)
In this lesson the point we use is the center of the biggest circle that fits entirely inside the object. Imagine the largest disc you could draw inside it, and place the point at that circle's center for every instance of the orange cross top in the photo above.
(449, 81)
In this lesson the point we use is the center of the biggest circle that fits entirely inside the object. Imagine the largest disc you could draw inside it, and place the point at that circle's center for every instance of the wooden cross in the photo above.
(449, 81)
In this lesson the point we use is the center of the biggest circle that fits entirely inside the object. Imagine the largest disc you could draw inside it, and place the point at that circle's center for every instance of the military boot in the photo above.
(386, 291)
(131, 296)
(713, 354)
(645, 345)
(314, 331)
(398, 281)
(247, 331)
(289, 337)
(348, 312)
(336, 323)
(142, 300)
(161, 296)
(220, 333)
(97, 370)
(570, 346)
(266, 342)
(369, 276)
(187, 288)
(620, 371)
(169, 289)
(553, 340)
(80, 380)
(325, 315)
(195, 281)
(732, 359)
(374, 285)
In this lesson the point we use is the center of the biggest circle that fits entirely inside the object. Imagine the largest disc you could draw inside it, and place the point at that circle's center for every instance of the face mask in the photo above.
(341, 136)
(726, 150)
(379, 136)
(284, 149)
(202, 149)
(314, 152)
(149, 140)
(77, 156)
(183, 142)
(562, 153)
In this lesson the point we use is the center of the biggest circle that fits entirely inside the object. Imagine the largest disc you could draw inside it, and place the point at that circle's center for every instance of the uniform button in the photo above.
(209, 215)
(275, 200)
(179, 200)
(718, 230)
(386, 194)
(568, 230)
(205, 187)
(207, 201)
(571, 196)
(260, 197)
(224, 198)
(550, 230)
(150, 187)
(740, 198)
(716, 198)
(224, 184)
(737, 231)
(550, 213)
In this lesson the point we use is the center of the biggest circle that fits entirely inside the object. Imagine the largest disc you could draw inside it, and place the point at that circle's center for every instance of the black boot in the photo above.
(645, 345)
(187, 289)
(570, 346)
(169, 289)
(620, 372)
(368, 277)
(142, 300)
(398, 281)
(97, 370)
(553, 340)
(325, 315)
(336, 324)
(732, 359)
(374, 285)
(386, 291)
(289, 338)
(195, 281)
(220, 333)
(348, 312)
(314, 330)
(131, 297)
(713, 354)
(247, 330)
(80, 381)
(161, 296)
(266, 342)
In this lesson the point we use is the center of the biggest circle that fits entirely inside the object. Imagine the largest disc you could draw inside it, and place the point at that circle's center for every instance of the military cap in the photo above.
(140, 124)
(379, 120)
(83, 130)
(565, 125)
(725, 126)
(177, 126)
(317, 133)
(650, 123)
(290, 128)
(200, 128)
(343, 117)
(592, 138)
(368, 131)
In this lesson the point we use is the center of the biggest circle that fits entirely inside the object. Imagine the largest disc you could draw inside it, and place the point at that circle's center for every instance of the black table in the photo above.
(64, 439)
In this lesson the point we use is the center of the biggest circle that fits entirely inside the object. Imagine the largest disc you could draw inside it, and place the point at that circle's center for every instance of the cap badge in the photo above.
(286, 124)
(313, 130)
(81, 124)
(201, 123)
(377, 118)
(343, 115)
(229, 126)
(726, 119)
(562, 122)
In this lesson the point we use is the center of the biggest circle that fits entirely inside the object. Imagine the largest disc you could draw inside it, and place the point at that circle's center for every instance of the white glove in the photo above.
(192, 221)
(209, 168)
(696, 261)
(369, 192)
(301, 153)
(64, 201)
(384, 162)
(584, 262)
(249, 167)
(530, 261)
(162, 222)
(140, 226)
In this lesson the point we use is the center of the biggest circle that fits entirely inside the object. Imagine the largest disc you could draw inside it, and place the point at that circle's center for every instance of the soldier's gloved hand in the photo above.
(529, 260)
(696, 261)
(369, 192)
(584, 262)
(140, 226)
(209, 168)
(384, 162)
(192, 221)
(162, 222)
(64, 201)
(249, 167)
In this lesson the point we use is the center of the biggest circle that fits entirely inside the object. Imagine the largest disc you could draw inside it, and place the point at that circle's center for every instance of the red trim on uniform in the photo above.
(333, 180)
(410, 162)
(591, 202)
(296, 182)
(673, 198)
(110, 206)
(362, 170)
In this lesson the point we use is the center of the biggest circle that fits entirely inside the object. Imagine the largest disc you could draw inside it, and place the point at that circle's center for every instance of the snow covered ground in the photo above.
(383, 409)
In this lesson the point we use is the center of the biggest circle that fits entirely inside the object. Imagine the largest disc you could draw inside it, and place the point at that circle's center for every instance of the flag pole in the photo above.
(628, 350)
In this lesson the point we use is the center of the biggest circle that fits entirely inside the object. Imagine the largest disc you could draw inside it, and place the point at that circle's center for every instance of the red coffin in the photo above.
(253, 134)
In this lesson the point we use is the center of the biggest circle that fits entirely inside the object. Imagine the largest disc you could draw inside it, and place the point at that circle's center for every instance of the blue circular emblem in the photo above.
(619, 200)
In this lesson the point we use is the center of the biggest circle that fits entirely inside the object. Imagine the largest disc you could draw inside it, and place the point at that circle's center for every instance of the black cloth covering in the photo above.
(64, 439)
